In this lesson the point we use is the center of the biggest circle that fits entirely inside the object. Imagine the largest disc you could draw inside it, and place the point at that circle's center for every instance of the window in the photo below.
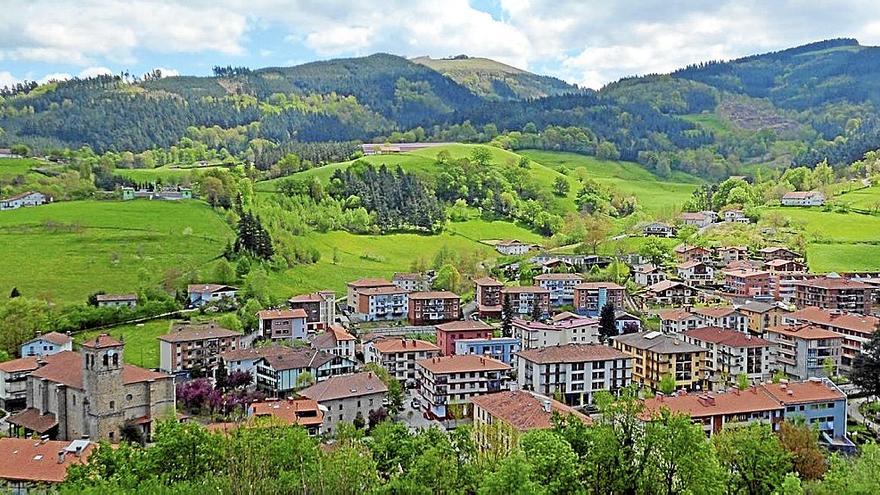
(112, 405)
(128, 397)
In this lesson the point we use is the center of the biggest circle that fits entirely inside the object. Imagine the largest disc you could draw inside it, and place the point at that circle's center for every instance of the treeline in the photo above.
(617, 453)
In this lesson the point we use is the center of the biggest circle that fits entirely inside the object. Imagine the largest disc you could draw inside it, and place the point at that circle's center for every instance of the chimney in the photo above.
(61, 457)
(547, 406)
(79, 450)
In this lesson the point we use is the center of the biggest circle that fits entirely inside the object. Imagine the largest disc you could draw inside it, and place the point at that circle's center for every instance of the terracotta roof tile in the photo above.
(598, 285)
(272, 314)
(55, 338)
(19, 365)
(572, 353)
(370, 282)
(303, 412)
(342, 386)
(807, 391)
(726, 336)
(464, 325)
(711, 404)
(806, 331)
(464, 363)
(31, 419)
(525, 289)
(31, 460)
(102, 341)
(195, 332)
(847, 321)
(488, 281)
(833, 283)
(391, 346)
(524, 410)
(436, 294)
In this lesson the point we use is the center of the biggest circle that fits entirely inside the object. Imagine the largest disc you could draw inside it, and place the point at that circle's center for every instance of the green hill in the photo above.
(494, 80)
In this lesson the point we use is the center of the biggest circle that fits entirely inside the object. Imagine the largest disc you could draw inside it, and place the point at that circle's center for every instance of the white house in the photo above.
(512, 247)
(803, 198)
(648, 274)
(699, 219)
(46, 345)
(201, 294)
(738, 216)
(116, 300)
(695, 272)
(574, 371)
(23, 200)
(535, 335)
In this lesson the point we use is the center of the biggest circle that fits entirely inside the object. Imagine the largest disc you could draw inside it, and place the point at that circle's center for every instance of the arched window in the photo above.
(106, 360)
(116, 360)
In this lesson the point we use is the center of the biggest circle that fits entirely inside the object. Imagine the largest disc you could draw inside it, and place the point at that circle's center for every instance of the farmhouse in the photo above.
(202, 294)
(46, 344)
(23, 200)
(737, 216)
(685, 253)
(803, 198)
(512, 247)
(116, 300)
(778, 253)
(164, 194)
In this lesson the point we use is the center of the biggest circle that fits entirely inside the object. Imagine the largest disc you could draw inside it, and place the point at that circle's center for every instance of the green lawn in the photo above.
(843, 257)
(657, 196)
(710, 121)
(13, 167)
(833, 227)
(63, 252)
(141, 346)
(867, 198)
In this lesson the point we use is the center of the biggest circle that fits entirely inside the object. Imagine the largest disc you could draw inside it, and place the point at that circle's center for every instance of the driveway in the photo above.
(414, 419)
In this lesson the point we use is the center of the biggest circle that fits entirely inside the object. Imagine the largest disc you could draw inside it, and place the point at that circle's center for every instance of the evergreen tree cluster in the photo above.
(252, 238)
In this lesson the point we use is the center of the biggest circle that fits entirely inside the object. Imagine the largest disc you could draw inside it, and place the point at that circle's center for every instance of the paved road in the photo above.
(415, 419)
(858, 417)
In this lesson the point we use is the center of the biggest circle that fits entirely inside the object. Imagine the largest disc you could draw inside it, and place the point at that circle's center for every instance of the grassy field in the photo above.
(141, 346)
(868, 198)
(13, 167)
(843, 257)
(63, 252)
(710, 121)
(657, 196)
(161, 174)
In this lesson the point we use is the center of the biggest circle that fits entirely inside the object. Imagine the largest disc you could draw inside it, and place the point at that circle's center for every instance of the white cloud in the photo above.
(95, 71)
(7, 79)
(166, 72)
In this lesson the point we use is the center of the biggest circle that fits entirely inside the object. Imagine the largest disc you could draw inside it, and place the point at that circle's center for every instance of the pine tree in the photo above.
(537, 312)
(607, 323)
(506, 316)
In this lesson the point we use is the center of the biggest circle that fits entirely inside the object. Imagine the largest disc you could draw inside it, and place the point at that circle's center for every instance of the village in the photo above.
(727, 336)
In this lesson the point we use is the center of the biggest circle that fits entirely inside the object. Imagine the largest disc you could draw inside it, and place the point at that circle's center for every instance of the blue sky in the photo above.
(584, 42)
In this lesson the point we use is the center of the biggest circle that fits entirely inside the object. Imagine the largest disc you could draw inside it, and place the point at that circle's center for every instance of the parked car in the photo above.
(416, 404)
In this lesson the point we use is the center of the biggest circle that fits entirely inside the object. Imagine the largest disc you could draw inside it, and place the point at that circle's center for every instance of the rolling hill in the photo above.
(494, 80)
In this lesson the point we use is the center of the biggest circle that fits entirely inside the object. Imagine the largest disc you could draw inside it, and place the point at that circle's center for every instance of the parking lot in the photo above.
(415, 419)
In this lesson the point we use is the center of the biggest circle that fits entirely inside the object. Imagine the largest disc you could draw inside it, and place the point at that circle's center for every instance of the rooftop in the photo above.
(101, 341)
(714, 312)
(804, 331)
(524, 410)
(195, 332)
(757, 306)
(298, 358)
(370, 282)
(572, 353)
(699, 405)
(464, 325)
(53, 337)
(465, 363)
(31, 460)
(19, 365)
(657, 342)
(676, 314)
(833, 283)
(202, 288)
(385, 289)
(342, 386)
(274, 314)
(726, 336)
(525, 289)
(66, 367)
(812, 390)
(598, 285)
(559, 276)
(847, 321)
(389, 346)
(436, 294)
(488, 281)
(746, 273)
(666, 285)
(303, 412)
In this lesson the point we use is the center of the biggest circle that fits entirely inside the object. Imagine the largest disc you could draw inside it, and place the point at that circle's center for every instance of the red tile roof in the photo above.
(195, 332)
(101, 342)
(488, 281)
(525, 289)
(726, 336)
(598, 285)
(55, 338)
(465, 363)
(746, 273)
(712, 404)
(436, 294)
(464, 325)
(19, 365)
(847, 321)
(812, 390)
(30, 460)
(572, 353)
(559, 276)
(714, 312)
(340, 334)
(833, 283)
(370, 282)
(524, 410)
(674, 314)
(313, 297)
(389, 346)
(303, 412)
(375, 291)
(31, 419)
(806, 331)
(276, 314)
(66, 367)
(343, 386)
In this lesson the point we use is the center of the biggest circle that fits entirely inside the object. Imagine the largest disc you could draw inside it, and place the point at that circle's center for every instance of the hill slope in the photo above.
(494, 80)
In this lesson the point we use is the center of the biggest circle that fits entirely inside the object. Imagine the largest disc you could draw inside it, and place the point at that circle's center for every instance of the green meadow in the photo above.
(141, 346)
(13, 167)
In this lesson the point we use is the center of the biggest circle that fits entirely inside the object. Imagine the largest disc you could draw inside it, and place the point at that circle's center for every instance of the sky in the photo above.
(585, 42)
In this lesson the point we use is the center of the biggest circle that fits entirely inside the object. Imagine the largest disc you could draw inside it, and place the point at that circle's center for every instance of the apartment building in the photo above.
(560, 285)
(282, 324)
(684, 253)
(713, 411)
(747, 283)
(195, 346)
(399, 355)
(801, 350)
(454, 380)
(412, 282)
(724, 317)
(523, 298)
(761, 315)
(500, 348)
(13, 382)
(574, 371)
(433, 307)
(487, 295)
(656, 355)
(277, 373)
(352, 289)
(449, 333)
(537, 335)
(345, 398)
(834, 293)
(320, 308)
(591, 297)
(675, 321)
(382, 303)
(729, 354)
(695, 273)
(856, 330)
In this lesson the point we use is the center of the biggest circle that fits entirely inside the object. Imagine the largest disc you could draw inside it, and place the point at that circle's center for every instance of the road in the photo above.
(415, 419)
(858, 417)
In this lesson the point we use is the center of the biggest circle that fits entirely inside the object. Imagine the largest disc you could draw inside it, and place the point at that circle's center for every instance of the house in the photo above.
(737, 216)
(729, 354)
(747, 283)
(803, 198)
(698, 219)
(560, 285)
(299, 412)
(671, 293)
(351, 298)
(46, 344)
(801, 350)
(116, 300)
(487, 295)
(537, 335)
(335, 340)
(583, 262)
(454, 380)
(778, 253)
(729, 254)
(501, 418)
(820, 404)
(449, 333)
(399, 355)
(781, 266)
(23, 200)
(33, 464)
(195, 346)
(523, 298)
(282, 324)
(13, 382)
(714, 411)
(659, 229)
(433, 307)
(656, 356)
(557, 265)
(695, 273)
(346, 398)
(724, 317)
(171, 193)
(278, 373)
(678, 320)
(591, 297)
(500, 348)
(412, 282)
(857, 330)
(245, 360)
(761, 315)
(574, 372)
(381, 303)
(320, 308)
(626, 323)
(91, 393)
(684, 253)
(512, 247)
(202, 294)
(648, 274)
(835, 293)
